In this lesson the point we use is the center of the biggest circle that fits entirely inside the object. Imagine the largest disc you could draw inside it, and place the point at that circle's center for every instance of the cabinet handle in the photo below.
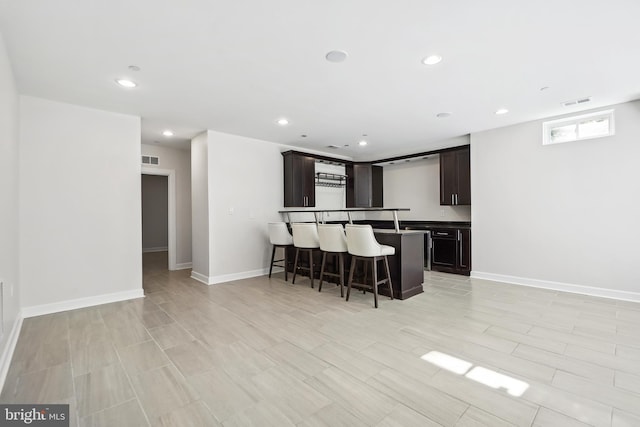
(456, 198)
(452, 198)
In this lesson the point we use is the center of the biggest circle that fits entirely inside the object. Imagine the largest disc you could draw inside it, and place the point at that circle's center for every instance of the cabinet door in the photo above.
(299, 180)
(448, 177)
(309, 181)
(358, 186)
(464, 251)
(377, 199)
(463, 172)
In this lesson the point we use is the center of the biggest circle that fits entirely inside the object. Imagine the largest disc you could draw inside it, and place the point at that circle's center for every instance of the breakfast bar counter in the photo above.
(406, 266)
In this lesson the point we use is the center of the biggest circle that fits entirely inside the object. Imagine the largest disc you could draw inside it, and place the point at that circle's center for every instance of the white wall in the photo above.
(564, 213)
(246, 190)
(80, 229)
(416, 185)
(155, 213)
(200, 207)
(180, 162)
(8, 207)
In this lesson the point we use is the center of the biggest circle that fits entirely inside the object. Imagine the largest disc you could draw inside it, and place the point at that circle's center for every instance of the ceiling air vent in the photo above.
(576, 102)
(333, 146)
(150, 160)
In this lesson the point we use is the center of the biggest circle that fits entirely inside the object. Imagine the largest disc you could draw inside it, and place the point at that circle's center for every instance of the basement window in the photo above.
(577, 128)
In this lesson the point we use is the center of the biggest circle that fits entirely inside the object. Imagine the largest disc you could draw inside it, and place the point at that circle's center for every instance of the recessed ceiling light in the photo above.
(283, 122)
(336, 56)
(432, 60)
(443, 115)
(502, 111)
(126, 83)
(167, 133)
(362, 143)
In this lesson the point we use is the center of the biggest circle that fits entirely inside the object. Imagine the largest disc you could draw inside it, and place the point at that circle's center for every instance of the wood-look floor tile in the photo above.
(191, 358)
(603, 359)
(542, 343)
(333, 415)
(577, 407)
(348, 360)
(142, 357)
(92, 357)
(162, 390)
(589, 370)
(170, 335)
(261, 414)
(475, 417)
(221, 394)
(624, 419)
(402, 416)
(128, 414)
(509, 408)
(101, 389)
(564, 337)
(194, 414)
(297, 358)
(153, 319)
(296, 400)
(627, 382)
(133, 333)
(367, 403)
(549, 418)
(425, 399)
(609, 395)
(49, 385)
(270, 353)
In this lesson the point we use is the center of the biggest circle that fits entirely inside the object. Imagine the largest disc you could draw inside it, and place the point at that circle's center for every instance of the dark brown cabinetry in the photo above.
(455, 177)
(299, 180)
(364, 185)
(451, 250)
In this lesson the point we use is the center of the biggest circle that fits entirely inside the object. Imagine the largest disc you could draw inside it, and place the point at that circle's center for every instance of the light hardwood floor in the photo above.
(267, 353)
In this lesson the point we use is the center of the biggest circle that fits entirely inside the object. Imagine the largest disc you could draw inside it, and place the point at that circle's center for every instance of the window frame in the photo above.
(548, 126)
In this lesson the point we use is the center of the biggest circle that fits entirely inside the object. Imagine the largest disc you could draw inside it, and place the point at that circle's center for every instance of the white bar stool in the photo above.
(279, 237)
(305, 239)
(362, 245)
(332, 242)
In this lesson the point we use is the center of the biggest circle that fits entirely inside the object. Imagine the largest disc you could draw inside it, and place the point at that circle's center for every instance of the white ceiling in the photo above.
(237, 66)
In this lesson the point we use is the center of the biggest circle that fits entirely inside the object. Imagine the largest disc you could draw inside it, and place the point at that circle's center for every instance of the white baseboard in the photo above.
(9, 348)
(184, 266)
(199, 277)
(559, 286)
(158, 249)
(39, 310)
(222, 278)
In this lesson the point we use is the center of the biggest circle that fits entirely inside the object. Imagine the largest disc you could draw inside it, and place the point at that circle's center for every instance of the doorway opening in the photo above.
(158, 218)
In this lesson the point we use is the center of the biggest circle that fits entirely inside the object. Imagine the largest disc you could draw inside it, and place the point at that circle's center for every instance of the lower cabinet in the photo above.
(451, 250)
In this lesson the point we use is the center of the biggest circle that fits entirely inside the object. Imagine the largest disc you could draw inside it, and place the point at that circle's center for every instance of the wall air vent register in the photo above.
(150, 160)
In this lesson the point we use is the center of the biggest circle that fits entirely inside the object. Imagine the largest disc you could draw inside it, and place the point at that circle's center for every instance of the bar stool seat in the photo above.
(333, 242)
(279, 237)
(305, 240)
(362, 245)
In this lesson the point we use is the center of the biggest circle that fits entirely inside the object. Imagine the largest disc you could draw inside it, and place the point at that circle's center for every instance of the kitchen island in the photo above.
(406, 266)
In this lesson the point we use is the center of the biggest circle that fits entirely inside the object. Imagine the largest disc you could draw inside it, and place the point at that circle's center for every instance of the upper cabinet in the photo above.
(455, 177)
(364, 185)
(299, 180)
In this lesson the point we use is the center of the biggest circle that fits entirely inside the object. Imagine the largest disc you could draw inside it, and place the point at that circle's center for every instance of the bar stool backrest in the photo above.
(332, 238)
(305, 235)
(361, 241)
(279, 234)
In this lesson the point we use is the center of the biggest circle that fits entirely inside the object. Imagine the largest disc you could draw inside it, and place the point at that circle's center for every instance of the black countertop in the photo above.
(419, 225)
